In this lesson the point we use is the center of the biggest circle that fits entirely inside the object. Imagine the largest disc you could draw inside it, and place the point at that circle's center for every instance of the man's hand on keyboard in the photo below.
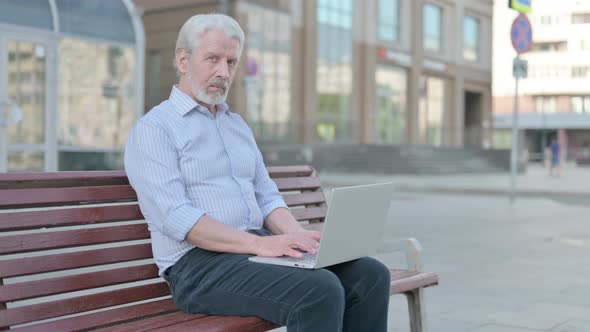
(290, 244)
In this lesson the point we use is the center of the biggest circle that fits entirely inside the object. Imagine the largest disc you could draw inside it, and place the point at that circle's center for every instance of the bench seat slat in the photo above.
(108, 317)
(58, 285)
(16, 221)
(304, 199)
(57, 262)
(151, 323)
(34, 312)
(55, 240)
(302, 183)
(220, 323)
(312, 213)
(10, 198)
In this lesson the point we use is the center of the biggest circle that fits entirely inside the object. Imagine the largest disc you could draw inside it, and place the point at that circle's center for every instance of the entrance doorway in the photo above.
(473, 130)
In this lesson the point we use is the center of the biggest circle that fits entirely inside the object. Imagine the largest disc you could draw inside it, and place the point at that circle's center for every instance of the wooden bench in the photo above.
(75, 255)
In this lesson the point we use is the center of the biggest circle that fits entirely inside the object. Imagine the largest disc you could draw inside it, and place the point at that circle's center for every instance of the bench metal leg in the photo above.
(416, 311)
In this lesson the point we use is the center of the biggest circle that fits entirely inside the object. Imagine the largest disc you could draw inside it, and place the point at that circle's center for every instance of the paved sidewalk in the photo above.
(536, 182)
(502, 267)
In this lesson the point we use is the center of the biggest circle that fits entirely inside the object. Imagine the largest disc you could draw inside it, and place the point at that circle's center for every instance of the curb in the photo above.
(492, 192)
(473, 191)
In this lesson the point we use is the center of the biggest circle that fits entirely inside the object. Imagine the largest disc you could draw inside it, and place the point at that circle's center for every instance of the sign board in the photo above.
(435, 65)
(400, 58)
(520, 68)
(522, 6)
(521, 34)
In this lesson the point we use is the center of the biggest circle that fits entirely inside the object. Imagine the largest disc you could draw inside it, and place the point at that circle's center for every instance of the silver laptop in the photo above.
(352, 229)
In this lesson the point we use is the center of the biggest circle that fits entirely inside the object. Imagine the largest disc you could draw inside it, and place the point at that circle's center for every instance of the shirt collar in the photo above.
(184, 103)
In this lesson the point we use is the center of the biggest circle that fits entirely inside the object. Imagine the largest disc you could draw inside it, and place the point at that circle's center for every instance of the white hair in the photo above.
(195, 27)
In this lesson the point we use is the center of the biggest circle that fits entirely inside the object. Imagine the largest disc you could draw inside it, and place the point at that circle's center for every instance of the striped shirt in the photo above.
(184, 163)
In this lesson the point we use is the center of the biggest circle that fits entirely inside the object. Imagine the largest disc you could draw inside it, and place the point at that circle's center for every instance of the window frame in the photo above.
(478, 52)
(441, 40)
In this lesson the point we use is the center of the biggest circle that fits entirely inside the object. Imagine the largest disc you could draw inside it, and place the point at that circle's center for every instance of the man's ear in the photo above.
(182, 61)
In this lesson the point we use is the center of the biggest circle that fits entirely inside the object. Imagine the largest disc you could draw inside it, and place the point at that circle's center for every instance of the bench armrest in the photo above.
(410, 247)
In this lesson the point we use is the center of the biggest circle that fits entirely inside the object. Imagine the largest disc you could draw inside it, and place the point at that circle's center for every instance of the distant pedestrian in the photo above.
(555, 158)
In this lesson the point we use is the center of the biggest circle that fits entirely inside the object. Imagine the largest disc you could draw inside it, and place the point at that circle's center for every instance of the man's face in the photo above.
(212, 67)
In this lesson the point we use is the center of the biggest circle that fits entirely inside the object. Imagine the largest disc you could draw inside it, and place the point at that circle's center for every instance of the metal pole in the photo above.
(4, 104)
(514, 151)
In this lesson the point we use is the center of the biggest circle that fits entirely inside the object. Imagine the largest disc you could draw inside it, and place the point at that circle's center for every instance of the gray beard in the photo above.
(215, 99)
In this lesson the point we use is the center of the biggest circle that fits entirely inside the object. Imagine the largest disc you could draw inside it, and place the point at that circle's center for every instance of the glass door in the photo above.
(26, 137)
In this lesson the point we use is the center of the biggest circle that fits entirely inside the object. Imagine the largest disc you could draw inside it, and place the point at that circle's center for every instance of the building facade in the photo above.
(392, 72)
(555, 97)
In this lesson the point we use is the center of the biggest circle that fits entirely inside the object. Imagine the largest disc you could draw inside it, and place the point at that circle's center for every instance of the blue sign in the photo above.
(521, 34)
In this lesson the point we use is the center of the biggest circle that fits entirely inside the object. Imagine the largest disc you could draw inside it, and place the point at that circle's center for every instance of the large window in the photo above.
(268, 73)
(581, 18)
(430, 110)
(432, 27)
(544, 104)
(580, 104)
(26, 86)
(388, 13)
(73, 82)
(31, 13)
(334, 72)
(471, 32)
(89, 18)
(390, 113)
(580, 71)
(96, 103)
(27, 75)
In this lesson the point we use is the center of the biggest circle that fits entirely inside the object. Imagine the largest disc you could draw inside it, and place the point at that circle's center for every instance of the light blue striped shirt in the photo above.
(184, 163)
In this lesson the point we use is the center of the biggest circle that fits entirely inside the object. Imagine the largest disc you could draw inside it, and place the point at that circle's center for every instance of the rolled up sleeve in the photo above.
(152, 166)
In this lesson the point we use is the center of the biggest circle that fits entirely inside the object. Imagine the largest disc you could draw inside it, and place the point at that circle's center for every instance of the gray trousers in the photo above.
(351, 296)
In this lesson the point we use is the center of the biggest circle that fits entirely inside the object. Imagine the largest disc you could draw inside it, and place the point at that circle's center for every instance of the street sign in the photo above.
(521, 34)
(523, 6)
(519, 68)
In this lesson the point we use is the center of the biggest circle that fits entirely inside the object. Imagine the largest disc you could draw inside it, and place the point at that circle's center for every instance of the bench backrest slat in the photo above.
(72, 283)
(15, 244)
(55, 196)
(62, 179)
(45, 310)
(104, 178)
(79, 259)
(18, 221)
(290, 171)
(317, 213)
(304, 199)
(66, 212)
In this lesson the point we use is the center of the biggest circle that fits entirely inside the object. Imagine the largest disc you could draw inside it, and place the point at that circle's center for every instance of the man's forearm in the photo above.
(281, 221)
(210, 234)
